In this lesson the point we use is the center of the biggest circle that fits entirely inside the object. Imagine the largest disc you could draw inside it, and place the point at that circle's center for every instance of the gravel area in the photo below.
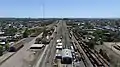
(113, 55)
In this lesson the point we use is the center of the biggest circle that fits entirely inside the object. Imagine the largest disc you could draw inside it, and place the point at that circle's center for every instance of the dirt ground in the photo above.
(113, 54)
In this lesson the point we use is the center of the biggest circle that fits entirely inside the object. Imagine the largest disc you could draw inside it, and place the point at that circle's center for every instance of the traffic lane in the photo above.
(68, 44)
(51, 55)
(67, 37)
(64, 36)
(47, 61)
(19, 58)
(37, 55)
(28, 39)
(67, 41)
(53, 48)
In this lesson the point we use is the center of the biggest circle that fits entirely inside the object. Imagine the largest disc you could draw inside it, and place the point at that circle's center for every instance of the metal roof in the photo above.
(37, 45)
(59, 40)
(66, 53)
(60, 44)
(58, 47)
(2, 43)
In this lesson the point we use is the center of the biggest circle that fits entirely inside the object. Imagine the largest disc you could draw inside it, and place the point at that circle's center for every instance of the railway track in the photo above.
(95, 58)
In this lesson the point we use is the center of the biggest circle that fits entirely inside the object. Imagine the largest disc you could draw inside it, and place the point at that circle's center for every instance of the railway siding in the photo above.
(95, 58)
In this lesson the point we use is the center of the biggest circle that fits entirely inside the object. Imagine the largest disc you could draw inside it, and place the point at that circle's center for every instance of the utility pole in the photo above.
(43, 8)
(42, 5)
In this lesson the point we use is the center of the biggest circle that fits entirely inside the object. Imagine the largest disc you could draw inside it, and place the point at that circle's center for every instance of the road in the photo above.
(67, 44)
(66, 41)
(48, 57)
(23, 57)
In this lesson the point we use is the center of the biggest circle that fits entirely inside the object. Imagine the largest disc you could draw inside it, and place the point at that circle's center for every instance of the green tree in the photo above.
(1, 50)
(44, 31)
(91, 44)
(11, 31)
(7, 46)
(25, 34)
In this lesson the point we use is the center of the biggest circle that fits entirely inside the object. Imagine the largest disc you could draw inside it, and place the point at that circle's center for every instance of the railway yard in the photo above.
(68, 50)
(60, 46)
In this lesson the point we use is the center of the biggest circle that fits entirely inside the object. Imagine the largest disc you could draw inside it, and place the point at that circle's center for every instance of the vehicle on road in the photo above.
(72, 49)
(36, 47)
(15, 47)
(59, 44)
(58, 54)
(61, 37)
(59, 40)
(59, 47)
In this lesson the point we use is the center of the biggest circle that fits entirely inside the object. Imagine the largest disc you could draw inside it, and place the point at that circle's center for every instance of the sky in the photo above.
(60, 8)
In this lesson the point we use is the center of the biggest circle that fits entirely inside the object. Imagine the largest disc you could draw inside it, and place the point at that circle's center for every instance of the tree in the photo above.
(7, 46)
(11, 31)
(91, 44)
(1, 50)
(101, 42)
(44, 31)
(25, 34)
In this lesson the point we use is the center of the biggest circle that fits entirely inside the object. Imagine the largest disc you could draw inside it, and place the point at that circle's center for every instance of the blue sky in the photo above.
(60, 8)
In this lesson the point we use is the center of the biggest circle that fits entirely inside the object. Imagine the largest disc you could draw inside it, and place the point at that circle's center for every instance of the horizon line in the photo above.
(65, 17)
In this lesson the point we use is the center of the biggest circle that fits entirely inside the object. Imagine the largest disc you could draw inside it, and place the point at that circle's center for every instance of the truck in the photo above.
(59, 44)
(15, 47)
(59, 40)
(59, 47)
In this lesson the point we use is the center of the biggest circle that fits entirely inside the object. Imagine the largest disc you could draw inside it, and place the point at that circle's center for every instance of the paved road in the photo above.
(50, 52)
(53, 46)
(47, 61)
(23, 57)
(67, 45)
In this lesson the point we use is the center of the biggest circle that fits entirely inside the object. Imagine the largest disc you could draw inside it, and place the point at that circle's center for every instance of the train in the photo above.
(66, 56)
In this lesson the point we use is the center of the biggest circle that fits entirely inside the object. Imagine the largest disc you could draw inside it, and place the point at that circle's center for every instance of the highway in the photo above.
(67, 44)
(47, 59)
(66, 41)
